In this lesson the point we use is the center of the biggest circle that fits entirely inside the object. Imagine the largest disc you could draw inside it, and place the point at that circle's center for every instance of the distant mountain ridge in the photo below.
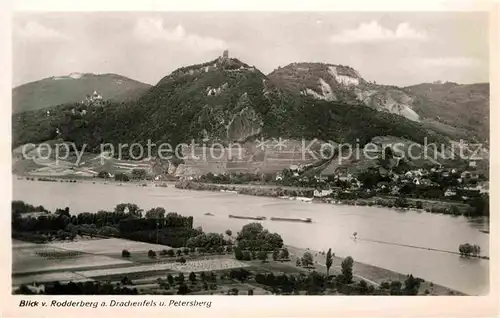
(344, 84)
(464, 106)
(226, 100)
(73, 88)
(446, 107)
(221, 100)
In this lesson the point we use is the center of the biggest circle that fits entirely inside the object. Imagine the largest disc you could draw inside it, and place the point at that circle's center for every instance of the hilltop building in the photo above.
(95, 99)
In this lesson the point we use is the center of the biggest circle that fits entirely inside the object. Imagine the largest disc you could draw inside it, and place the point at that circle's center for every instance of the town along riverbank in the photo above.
(308, 195)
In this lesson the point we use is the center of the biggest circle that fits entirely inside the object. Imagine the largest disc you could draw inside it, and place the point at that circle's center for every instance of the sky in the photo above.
(387, 47)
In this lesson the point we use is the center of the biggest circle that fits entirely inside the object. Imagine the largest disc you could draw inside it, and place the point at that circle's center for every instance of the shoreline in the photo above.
(306, 195)
(375, 274)
(267, 190)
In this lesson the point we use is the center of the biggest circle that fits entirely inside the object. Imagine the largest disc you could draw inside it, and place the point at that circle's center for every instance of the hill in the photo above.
(225, 101)
(460, 111)
(73, 88)
(343, 84)
(465, 107)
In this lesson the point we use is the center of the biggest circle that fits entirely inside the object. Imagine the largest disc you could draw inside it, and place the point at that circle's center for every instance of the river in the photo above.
(332, 227)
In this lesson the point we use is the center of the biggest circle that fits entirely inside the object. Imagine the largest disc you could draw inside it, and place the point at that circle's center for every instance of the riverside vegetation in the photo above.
(267, 265)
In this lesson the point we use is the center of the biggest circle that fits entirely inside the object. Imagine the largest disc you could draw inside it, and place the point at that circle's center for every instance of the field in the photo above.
(109, 246)
(100, 260)
(48, 277)
(44, 258)
(191, 266)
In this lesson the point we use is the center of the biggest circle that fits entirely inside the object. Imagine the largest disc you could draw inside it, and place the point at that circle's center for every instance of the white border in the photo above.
(265, 306)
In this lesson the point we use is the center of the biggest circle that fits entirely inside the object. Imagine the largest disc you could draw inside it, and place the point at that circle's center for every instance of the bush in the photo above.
(419, 205)
(151, 253)
(125, 253)
(307, 259)
(238, 254)
(183, 289)
(122, 177)
(247, 256)
(181, 260)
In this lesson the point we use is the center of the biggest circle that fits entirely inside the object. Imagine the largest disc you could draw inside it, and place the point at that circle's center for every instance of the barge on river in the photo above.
(308, 220)
(258, 218)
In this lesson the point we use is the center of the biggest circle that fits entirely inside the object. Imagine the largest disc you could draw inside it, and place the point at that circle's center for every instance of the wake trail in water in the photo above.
(410, 246)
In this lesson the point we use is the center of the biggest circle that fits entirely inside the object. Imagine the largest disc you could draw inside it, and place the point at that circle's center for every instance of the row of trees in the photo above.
(135, 174)
(254, 237)
(468, 250)
(125, 221)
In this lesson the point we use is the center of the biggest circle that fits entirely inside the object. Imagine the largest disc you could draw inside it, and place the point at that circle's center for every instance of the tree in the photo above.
(284, 253)
(401, 202)
(298, 263)
(126, 281)
(229, 233)
(329, 261)
(347, 265)
(250, 292)
(411, 285)
(125, 253)
(263, 256)
(476, 250)
(156, 213)
(183, 290)
(233, 291)
(178, 252)
(180, 278)
(182, 260)
(255, 238)
(419, 205)
(238, 254)
(103, 175)
(139, 174)
(247, 256)
(192, 277)
(122, 177)
(307, 259)
(275, 255)
(170, 253)
(170, 279)
(151, 253)
(395, 288)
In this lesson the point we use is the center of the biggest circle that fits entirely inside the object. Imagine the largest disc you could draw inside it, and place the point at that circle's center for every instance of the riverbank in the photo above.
(282, 192)
(307, 195)
(371, 274)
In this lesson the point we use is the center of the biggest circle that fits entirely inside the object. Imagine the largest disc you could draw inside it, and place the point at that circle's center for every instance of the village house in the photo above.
(450, 192)
(322, 193)
(395, 190)
(279, 176)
